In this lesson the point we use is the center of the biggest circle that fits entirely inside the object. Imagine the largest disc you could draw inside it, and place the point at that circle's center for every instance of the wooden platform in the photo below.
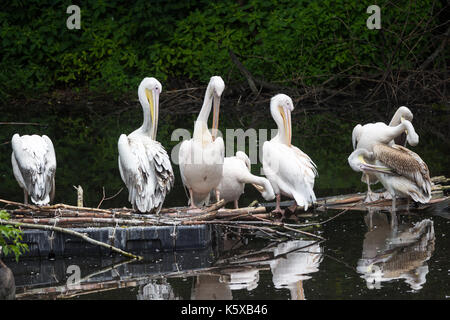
(77, 221)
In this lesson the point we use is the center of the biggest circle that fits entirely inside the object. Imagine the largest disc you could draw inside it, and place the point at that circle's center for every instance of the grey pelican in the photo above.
(402, 172)
(34, 166)
(144, 165)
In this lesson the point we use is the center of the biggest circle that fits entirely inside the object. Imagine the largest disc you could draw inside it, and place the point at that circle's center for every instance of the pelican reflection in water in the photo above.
(296, 261)
(396, 251)
(290, 262)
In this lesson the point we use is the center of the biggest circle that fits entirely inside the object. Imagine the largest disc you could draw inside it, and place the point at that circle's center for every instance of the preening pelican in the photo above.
(34, 166)
(143, 162)
(370, 134)
(402, 172)
(236, 173)
(402, 113)
(201, 158)
(290, 171)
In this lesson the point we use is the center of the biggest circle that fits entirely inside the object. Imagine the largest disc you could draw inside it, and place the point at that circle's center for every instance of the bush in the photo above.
(13, 235)
(120, 42)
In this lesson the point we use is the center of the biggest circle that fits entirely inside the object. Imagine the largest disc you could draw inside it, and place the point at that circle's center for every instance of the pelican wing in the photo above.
(305, 161)
(35, 160)
(406, 163)
(146, 171)
(184, 157)
(291, 170)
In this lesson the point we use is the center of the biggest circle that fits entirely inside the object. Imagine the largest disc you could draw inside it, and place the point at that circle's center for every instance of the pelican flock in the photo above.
(379, 153)
(290, 171)
(144, 165)
(34, 166)
(201, 158)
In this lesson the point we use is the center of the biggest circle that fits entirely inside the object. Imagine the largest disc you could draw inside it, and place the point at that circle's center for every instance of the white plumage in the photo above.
(236, 173)
(144, 165)
(34, 166)
(290, 171)
(201, 158)
(295, 261)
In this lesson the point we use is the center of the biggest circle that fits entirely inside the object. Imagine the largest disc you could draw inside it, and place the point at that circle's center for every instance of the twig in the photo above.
(22, 123)
(109, 198)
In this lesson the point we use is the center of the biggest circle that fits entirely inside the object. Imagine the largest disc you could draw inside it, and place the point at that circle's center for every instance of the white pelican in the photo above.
(290, 171)
(34, 166)
(143, 162)
(401, 171)
(236, 173)
(379, 133)
(201, 158)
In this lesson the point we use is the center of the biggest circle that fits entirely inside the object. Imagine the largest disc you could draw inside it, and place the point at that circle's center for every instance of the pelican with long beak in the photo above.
(144, 165)
(402, 172)
(201, 158)
(290, 171)
(400, 130)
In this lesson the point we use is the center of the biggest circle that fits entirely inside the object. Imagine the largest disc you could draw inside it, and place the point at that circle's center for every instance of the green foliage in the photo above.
(120, 42)
(13, 235)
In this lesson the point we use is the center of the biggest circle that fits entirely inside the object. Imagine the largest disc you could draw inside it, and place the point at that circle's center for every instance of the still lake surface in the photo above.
(364, 256)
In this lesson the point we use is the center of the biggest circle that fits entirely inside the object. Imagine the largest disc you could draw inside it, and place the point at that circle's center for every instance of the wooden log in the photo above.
(86, 220)
(71, 232)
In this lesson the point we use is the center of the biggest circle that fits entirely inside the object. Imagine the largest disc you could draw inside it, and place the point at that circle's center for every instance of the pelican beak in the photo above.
(259, 188)
(361, 159)
(216, 108)
(401, 120)
(286, 115)
(153, 101)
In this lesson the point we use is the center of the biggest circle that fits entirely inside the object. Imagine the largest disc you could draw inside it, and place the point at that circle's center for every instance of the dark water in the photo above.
(364, 256)
(358, 261)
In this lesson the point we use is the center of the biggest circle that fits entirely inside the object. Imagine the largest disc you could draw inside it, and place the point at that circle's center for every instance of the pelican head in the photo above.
(356, 160)
(281, 107)
(404, 113)
(148, 92)
(216, 87)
